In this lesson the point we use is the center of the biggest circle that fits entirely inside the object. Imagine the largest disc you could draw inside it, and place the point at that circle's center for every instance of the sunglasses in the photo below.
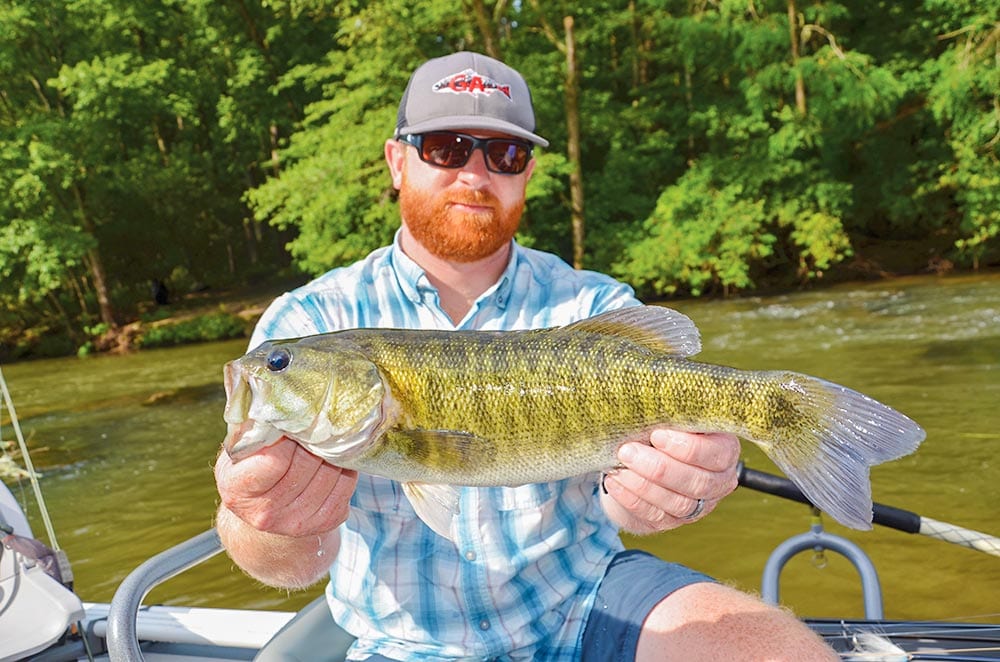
(447, 149)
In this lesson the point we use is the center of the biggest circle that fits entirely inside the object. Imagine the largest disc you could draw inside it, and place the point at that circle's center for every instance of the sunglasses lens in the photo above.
(452, 150)
(447, 150)
(506, 156)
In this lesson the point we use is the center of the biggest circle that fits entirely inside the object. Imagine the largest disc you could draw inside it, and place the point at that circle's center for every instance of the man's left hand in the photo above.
(678, 478)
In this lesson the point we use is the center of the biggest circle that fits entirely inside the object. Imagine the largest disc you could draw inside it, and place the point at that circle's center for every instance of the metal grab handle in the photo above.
(122, 637)
(819, 540)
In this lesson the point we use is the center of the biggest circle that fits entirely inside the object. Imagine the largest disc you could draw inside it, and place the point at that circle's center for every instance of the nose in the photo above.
(474, 171)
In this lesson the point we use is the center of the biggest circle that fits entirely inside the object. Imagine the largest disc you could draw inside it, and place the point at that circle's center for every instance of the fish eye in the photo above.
(278, 359)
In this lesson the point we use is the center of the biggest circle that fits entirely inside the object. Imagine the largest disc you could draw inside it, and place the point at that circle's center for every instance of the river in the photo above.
(126, 445)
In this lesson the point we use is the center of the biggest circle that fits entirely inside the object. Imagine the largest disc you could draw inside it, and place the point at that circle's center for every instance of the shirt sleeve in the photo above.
(609, 294)
(290, 316)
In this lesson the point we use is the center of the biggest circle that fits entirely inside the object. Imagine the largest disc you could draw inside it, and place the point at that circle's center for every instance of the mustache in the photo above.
(473, 198)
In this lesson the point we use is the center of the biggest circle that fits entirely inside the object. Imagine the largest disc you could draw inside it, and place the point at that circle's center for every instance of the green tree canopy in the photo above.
(720, 146)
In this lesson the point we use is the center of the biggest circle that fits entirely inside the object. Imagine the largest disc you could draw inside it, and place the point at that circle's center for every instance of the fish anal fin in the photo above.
(435, 504)
(657, 328)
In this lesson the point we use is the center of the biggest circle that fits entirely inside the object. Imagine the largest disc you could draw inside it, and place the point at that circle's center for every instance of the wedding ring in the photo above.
(698, 507)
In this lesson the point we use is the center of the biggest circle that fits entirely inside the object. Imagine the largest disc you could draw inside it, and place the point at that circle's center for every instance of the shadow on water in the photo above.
(982, 352)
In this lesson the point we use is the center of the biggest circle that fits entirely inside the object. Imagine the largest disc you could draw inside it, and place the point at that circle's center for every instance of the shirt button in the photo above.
(484, 624)
(470, 555)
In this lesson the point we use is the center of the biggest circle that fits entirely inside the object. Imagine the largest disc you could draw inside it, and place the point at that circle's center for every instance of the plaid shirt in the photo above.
(521, 580)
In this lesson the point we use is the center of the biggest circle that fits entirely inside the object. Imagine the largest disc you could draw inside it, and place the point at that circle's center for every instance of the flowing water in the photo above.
(126, 445)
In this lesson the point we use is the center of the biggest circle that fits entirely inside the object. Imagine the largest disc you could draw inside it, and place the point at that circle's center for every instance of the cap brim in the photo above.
(459, 122)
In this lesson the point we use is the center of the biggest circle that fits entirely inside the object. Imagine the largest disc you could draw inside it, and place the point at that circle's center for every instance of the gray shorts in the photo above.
(633, 584)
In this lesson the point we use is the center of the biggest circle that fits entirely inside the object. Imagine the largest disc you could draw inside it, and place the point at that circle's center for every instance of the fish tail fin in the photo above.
(838, 436)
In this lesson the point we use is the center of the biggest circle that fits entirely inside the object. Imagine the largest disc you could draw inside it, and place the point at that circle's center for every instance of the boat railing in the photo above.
(122, 620)
(122, 635)
(820, 541)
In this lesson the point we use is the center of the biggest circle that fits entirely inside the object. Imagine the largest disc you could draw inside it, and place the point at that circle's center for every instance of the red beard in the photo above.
(458, 236)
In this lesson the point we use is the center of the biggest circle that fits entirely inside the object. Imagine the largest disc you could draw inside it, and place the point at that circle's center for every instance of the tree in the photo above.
(566, 44)
(121, 117)
(760, 191)
(965, 97)
(720, 144)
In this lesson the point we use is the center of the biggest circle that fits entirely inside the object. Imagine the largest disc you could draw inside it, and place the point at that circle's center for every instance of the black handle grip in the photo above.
(894, 518)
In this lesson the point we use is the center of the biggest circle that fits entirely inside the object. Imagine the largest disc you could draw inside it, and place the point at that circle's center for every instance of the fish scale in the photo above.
(466, 408)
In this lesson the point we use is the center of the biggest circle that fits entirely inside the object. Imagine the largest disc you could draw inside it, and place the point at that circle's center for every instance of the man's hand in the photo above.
(662, 483)
(280, 511)
(285, 490)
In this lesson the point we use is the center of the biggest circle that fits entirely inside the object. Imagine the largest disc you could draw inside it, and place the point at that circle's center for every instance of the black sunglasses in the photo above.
(447, 149)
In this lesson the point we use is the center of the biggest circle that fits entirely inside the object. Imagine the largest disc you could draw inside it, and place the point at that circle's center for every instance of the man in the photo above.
(537, 572)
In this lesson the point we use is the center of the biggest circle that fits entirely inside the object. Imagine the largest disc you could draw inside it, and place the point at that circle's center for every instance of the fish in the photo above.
(437, 410)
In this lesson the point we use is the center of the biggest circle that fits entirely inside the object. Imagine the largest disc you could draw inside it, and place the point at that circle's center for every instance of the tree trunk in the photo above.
(793, 33)
(485, 29)
(96, 265)
(101, 288)
(572, 99)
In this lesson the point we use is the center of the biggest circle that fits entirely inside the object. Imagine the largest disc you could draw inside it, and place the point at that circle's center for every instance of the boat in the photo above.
(43, 619)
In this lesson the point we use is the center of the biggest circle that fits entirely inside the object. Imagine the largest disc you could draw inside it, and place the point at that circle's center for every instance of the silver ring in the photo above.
(698, 507)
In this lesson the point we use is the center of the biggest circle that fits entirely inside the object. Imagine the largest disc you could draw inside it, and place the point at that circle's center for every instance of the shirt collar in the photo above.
(411, 277)
(415, 285)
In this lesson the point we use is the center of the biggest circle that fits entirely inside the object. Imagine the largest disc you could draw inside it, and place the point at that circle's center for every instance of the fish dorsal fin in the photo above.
(655, 327)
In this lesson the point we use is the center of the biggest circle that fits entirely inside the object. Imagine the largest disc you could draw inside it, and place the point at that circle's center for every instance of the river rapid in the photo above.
(125, 445)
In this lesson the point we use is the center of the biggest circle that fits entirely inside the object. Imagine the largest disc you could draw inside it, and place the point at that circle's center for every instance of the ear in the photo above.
(395, 156)
(530, 169)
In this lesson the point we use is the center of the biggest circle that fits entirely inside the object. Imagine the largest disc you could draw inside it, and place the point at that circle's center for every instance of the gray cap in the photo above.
(467, 91)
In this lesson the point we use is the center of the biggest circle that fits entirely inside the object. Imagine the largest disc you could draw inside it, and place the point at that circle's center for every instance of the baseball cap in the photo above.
(467, 91)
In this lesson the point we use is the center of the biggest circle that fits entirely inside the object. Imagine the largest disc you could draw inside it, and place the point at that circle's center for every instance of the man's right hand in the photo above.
(280, 511)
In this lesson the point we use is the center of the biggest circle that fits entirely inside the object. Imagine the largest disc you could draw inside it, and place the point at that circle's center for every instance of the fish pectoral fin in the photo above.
(654, 327)
(443, 450)
(435, 504)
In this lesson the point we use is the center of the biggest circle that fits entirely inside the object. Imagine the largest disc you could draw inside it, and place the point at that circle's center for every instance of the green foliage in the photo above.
(129, 134)
(965, 97)
(204, 142)
(216, 326)
(700, 236)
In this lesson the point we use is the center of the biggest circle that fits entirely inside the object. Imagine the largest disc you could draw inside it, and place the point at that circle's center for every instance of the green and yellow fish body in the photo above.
(436, 409)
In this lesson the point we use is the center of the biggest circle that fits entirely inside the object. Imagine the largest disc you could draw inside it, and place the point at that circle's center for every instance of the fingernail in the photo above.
(627, 454)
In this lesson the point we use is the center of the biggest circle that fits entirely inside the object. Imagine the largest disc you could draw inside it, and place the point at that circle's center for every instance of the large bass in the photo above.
(439, 409)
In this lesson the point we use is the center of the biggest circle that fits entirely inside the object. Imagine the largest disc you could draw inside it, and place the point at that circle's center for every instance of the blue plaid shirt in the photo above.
(521, 580)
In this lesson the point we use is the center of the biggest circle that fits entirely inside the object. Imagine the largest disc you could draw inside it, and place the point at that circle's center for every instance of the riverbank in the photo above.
(197, 317)
(220, 314)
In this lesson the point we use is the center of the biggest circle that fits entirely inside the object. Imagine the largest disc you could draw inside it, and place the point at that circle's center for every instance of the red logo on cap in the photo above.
(470, 82)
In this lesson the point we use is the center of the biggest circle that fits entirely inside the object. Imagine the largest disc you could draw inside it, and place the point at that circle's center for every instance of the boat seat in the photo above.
(311, 636)
(35, 610)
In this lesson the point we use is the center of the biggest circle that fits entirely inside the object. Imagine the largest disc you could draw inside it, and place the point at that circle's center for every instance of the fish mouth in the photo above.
(246, 438)
(244, 435)
(239, 395)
